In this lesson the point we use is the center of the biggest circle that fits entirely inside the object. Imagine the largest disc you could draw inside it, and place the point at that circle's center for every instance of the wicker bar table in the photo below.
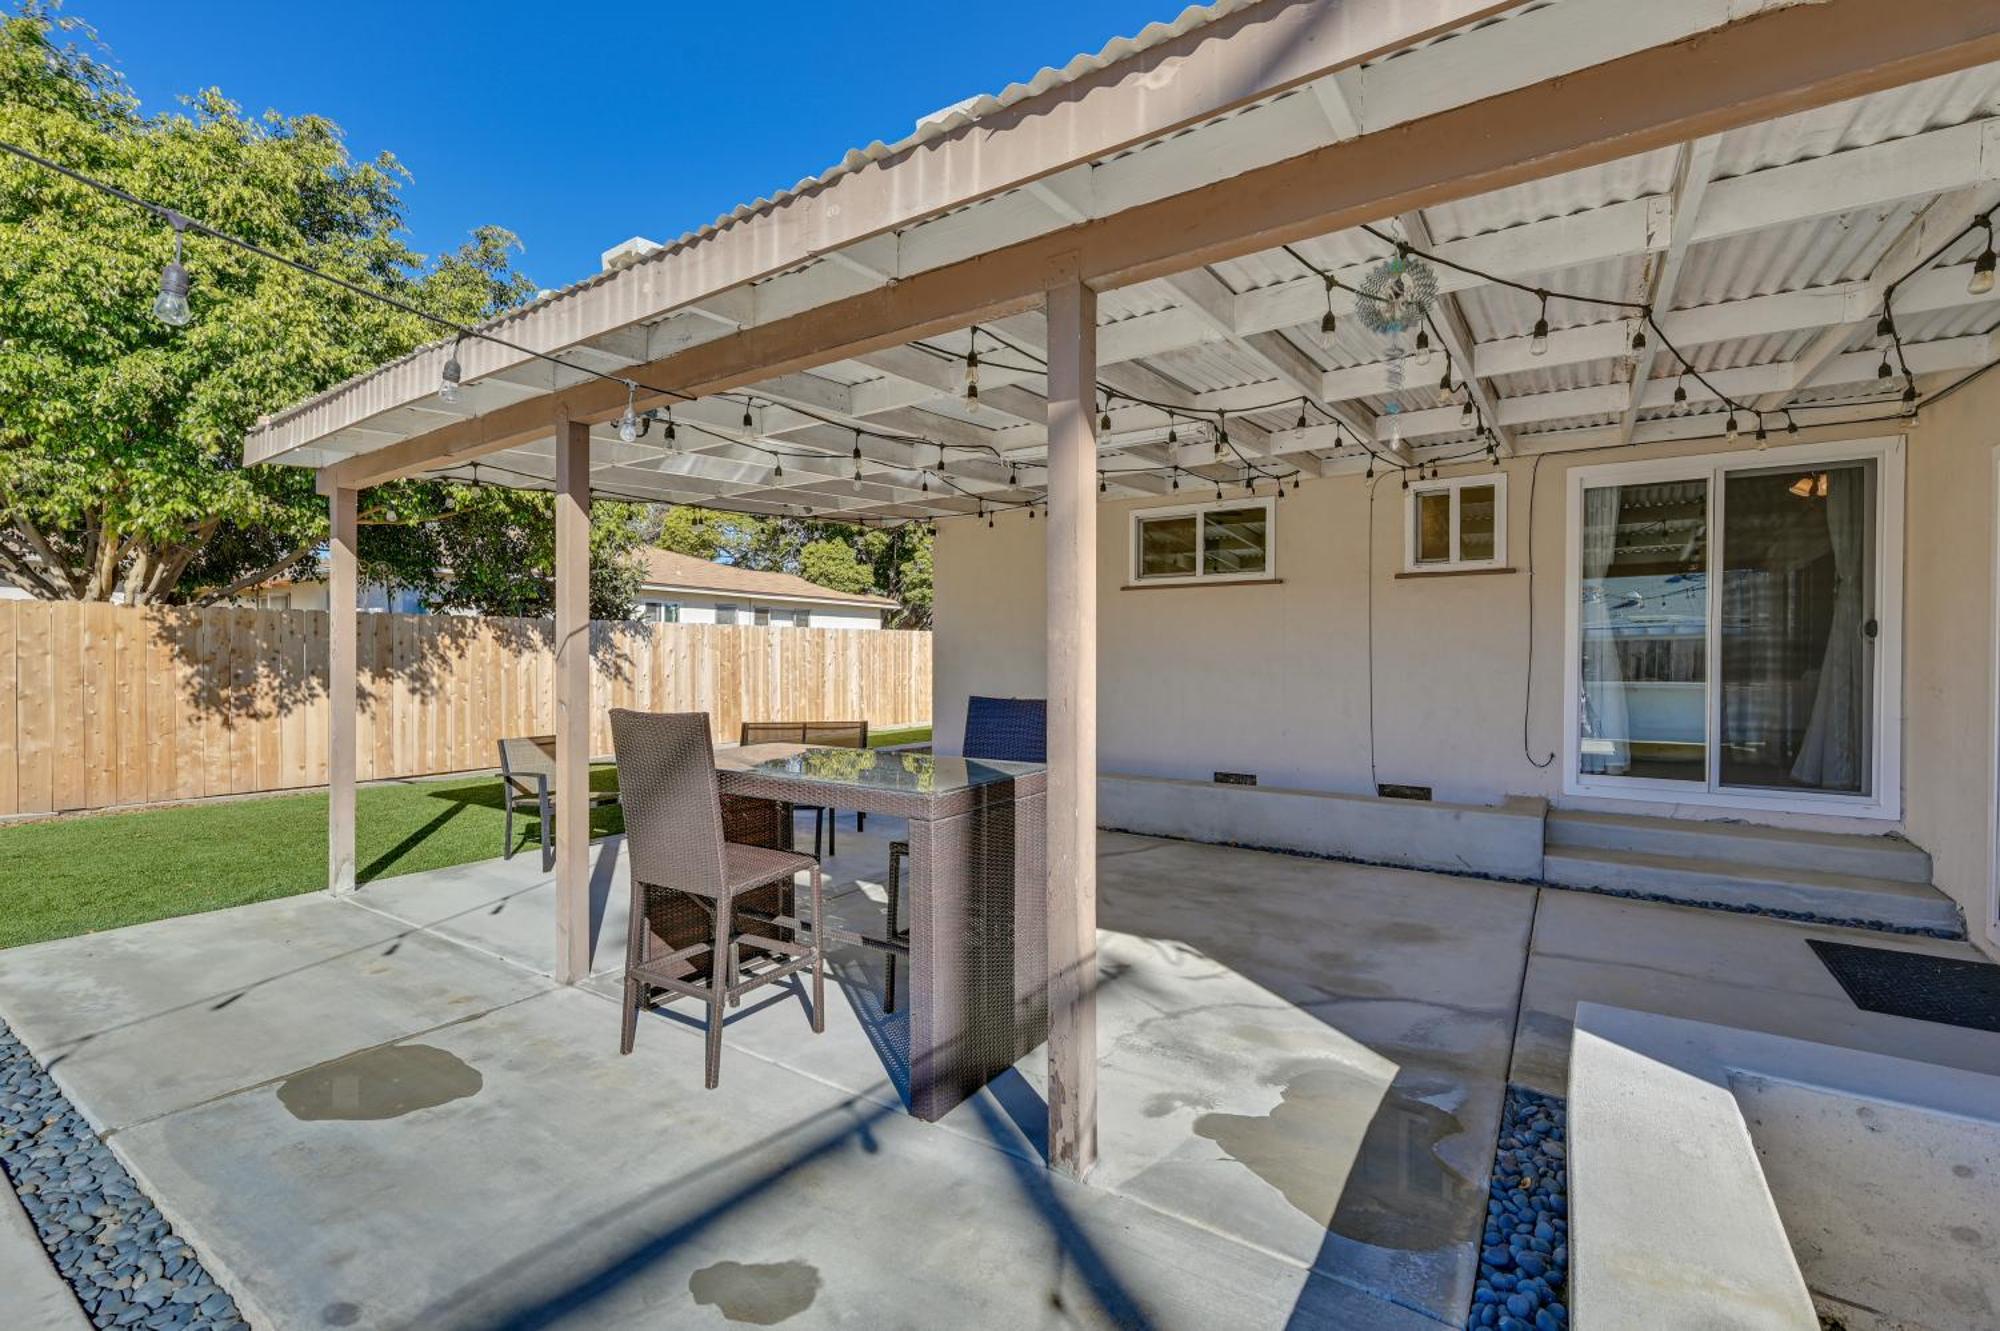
(974, 904)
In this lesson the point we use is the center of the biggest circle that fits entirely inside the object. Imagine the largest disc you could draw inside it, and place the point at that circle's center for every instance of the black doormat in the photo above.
(1911, 984)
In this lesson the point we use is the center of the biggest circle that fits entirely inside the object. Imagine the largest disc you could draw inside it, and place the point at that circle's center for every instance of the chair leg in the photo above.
(889, 959)
(832, 826)
(507, 841)
(735, 972)
(819, 830)
(634, 995)
(718, 988)
(818, 956)
(860, 821)
(548, 832)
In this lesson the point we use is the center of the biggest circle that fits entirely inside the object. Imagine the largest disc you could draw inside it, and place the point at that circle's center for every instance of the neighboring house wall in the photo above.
(1278, 679)
(659, 605)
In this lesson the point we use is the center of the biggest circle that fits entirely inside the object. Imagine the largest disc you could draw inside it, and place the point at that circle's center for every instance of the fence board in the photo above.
(104, 705)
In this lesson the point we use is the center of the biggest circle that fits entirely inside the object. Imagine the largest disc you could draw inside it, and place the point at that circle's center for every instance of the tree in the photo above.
(120, 436)
(893, 562)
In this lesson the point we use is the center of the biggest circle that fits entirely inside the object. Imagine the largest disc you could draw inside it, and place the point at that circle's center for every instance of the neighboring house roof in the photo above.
(667, 571)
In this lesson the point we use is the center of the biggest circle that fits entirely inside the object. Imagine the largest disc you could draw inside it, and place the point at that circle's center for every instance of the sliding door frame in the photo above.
(1885, 797)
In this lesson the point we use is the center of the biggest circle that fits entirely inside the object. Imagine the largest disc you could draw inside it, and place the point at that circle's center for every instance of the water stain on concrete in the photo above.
(1396, 1191)
(379, 1083)
(1162, 1103)
(756, 1293)
(340, 1314)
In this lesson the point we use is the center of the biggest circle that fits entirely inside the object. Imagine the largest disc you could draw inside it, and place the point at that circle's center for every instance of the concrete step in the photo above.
(1888, 857)
(1845, 898)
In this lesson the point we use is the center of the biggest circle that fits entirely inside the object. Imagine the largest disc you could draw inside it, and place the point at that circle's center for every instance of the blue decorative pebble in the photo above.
(117, 1251)
(1524, 1250)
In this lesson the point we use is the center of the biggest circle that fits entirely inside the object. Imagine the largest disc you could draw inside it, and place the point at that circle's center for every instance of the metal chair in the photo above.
(825, 735)
(1011, 730)
(527, 773)
(678, 851)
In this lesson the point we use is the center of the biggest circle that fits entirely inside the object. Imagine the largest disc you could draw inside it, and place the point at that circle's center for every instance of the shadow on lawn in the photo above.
(484, 793)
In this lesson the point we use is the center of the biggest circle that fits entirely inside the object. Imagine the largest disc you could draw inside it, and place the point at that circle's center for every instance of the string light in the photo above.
(629, 425)
(1639, 336)
(749, 424)
(448, 379)
(1538, 342)
(1423, 347)
(972, 371)
(1734, 433)
(1327, 322)
(171, 305)
(1680, 389)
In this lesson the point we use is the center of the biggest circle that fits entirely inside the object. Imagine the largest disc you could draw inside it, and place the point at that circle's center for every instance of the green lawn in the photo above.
(88, 872)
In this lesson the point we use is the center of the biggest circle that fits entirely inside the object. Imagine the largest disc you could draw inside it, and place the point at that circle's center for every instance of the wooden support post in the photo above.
(1072, 690)
(572, 804)
(342, 699)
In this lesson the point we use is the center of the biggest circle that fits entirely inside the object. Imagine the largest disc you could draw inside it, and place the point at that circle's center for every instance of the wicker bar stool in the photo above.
(1008, 730)
(678, 851)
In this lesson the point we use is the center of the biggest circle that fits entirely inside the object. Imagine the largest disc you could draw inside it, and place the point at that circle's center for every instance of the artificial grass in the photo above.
(88, 872)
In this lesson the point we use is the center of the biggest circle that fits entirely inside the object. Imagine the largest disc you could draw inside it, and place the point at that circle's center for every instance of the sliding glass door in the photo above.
(1726, 628)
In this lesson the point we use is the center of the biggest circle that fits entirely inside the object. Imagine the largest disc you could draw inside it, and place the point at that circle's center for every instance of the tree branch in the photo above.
(270, 570)
(52, 566)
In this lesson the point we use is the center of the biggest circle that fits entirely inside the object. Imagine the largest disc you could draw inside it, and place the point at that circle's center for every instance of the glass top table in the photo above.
(973, 894)
(889, 772)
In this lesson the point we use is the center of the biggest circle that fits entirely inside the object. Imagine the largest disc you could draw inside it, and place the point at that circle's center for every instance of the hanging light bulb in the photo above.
(1177, 480)
(1733, 432)
(1885, 327)
(1884, 370)
(925, 484)
(1031, 511)
(1104, 418)
(670, 428)
(777, 467)
(857, 459)
(1638, 339)
(1327, 322)
(1681, 389)
(748, 424)
(448, 379)
(1762, 436)
(1423, 346)
(1910, 397)
(1302, 415)
(1013, 476)
(1982, 267)
(1173, 436)
(972, 371)
(1369, 475)
(1791, 426)
(1444, 384)
(171, 305)
(1465, 414)
(1218, 492)
(1538, 343)
(628, 424)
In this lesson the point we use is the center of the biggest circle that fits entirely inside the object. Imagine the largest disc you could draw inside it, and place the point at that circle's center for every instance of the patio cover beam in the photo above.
(572, 683)
(1773, 63)
(342, 697)
(1072, 724)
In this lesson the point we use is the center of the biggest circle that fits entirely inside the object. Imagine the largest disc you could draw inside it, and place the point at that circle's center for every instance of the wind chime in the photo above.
(1394, 302)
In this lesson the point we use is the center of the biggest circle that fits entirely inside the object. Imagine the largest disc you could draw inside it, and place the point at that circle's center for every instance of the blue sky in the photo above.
(578, 125)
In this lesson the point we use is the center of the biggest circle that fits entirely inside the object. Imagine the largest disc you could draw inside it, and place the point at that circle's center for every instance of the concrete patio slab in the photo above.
(139, 1022)
(33, 1297)
(1733, 970)
(577, 1188)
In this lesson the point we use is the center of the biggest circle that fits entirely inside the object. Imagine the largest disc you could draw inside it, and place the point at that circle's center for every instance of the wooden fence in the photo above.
(103, 705)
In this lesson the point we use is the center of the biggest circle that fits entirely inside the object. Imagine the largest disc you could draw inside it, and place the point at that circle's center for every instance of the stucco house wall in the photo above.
(1278, 679)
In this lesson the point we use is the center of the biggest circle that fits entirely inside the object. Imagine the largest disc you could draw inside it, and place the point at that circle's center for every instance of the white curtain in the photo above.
(1831, 756)
(1606, 721)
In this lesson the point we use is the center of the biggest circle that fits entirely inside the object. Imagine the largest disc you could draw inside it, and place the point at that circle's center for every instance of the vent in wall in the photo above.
(1236, 778)
(1392, 791)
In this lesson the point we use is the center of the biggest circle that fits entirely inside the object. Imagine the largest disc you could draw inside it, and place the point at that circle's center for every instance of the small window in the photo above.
(725, 614)
(1456, 525)
(1224, 542)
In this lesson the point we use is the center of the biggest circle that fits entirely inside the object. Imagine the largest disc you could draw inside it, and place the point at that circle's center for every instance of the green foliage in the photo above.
(120, 437)
(493, 551)
(892, 562)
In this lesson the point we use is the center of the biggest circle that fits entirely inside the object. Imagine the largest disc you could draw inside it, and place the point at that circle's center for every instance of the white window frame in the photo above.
(1200, 577)
(1411, 564)
(1885, 800)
